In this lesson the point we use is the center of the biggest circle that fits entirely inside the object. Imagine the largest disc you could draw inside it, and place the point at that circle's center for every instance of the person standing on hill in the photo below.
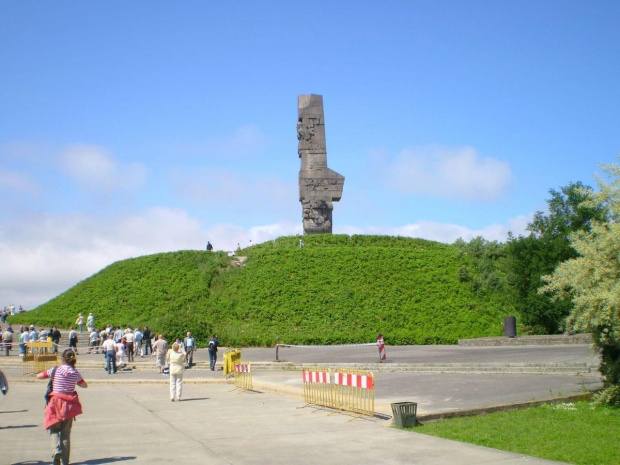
(209, 246)
(212, 348)
(160, 347)
(90, 322)
(80, 322)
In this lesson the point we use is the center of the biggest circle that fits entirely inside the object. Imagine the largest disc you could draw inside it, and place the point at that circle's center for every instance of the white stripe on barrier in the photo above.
(320, 377)
(361, 381)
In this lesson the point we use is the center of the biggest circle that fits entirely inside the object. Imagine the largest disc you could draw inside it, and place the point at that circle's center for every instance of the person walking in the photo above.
(109, 349)
(212, 348)
(63, 405)
(80, 322)
(190, 346)
(175, 359)
(55, 335)
(73, 339)
(160, 347)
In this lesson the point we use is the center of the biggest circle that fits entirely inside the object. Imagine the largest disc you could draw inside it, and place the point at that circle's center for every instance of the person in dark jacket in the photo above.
(212, 348)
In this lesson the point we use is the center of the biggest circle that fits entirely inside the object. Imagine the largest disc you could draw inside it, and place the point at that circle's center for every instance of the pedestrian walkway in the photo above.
(137, 424)
(128, 417)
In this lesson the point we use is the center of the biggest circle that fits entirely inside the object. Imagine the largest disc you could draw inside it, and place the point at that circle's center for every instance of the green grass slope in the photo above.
(337, 289)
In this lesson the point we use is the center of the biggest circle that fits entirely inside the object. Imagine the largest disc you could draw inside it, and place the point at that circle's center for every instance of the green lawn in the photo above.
(577, 433)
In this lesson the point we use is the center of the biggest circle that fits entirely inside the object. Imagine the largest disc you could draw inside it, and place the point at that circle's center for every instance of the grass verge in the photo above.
(580, 433)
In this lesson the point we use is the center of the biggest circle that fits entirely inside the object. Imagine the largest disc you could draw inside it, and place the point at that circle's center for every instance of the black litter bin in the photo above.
(510, 326)
(405, 414)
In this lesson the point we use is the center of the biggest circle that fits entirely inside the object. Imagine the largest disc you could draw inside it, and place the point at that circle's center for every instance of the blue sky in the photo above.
(129, 128)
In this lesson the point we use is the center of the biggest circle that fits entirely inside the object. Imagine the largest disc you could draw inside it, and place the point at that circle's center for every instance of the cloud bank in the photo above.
(459, 173)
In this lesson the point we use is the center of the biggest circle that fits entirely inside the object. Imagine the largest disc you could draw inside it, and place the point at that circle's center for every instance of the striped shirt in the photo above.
(65, 379)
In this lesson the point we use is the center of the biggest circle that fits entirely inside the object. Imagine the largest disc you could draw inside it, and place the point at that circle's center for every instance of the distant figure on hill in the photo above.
(212, 348)
(80, 322)
(90, 322)
(209, 246)
(301, 244)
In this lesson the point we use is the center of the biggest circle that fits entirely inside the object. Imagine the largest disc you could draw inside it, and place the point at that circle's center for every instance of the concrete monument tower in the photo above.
(318, 185)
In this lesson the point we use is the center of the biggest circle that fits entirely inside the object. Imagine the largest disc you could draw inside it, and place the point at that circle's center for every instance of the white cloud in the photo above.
(448, 172)
(18, 182)
(93, 168)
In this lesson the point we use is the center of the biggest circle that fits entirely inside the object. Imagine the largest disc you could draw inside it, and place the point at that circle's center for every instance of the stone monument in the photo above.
(318, 185)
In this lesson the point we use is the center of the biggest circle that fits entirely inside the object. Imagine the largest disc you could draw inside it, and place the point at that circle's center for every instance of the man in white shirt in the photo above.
(109, 349)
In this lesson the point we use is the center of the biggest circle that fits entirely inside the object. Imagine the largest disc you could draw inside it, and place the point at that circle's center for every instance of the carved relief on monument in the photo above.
(318, 185)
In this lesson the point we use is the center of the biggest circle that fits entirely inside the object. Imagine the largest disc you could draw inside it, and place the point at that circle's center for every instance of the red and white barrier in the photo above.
(381, 345)
(321, 377)
(242, 368)
(360, 381)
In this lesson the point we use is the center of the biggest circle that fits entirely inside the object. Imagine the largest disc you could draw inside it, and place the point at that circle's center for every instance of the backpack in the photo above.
(50, 386)
(211, 346)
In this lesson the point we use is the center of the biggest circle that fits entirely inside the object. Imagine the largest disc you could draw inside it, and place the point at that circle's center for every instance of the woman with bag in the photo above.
(63, 405)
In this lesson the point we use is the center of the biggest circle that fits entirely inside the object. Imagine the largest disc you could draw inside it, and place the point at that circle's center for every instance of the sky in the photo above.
(133, 128)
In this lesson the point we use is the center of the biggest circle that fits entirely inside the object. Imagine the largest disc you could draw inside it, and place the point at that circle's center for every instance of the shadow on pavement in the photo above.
(86, 462)
(18, 426)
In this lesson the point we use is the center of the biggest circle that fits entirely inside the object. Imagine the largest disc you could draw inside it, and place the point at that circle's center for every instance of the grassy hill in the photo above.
(337, 289)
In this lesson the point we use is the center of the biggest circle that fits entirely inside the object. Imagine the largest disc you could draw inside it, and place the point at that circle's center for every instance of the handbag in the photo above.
(50, 386)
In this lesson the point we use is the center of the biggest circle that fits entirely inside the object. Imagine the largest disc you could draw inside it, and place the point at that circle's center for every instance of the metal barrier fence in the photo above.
(354, 391)
(243, 375)
(349, 390)
(38, 357)
(318, 387)
(230, 358)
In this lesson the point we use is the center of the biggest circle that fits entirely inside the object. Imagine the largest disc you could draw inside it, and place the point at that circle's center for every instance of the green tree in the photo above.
(591, 280)
(537, 254)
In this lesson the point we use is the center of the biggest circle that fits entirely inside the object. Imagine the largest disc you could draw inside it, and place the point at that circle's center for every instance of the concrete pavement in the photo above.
(128, 417)
(137, 424)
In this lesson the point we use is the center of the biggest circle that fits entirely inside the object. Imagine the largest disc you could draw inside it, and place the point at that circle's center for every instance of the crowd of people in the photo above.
(9, 310)
(117, 345)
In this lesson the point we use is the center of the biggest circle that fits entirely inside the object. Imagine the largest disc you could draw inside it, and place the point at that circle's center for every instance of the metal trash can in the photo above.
(510, 326)
(405, 414)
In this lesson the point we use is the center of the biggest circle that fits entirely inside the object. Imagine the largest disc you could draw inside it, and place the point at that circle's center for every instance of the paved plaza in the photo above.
(128, 417)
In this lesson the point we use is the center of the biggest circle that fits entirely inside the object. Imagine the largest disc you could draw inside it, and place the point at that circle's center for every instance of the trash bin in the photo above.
(510, 326)
(405, 414)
